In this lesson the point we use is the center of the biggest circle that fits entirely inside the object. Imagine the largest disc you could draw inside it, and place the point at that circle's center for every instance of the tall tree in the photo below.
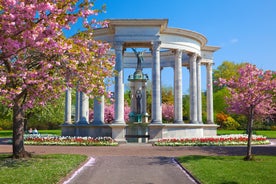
(37, 62)
(251, 94)
(226, 70)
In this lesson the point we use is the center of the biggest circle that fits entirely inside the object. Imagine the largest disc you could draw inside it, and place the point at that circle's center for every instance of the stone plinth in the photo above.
(118, 132)
(140, 132)
(137, 132)
(68, 129)
(85, 130)
(167, 131)
(156, 132)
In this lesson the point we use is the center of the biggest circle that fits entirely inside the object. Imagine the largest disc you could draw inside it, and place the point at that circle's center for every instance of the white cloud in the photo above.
(234, 40)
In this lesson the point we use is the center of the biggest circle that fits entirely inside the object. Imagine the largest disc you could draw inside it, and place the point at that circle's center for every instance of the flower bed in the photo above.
(69, 141)
(213, 141)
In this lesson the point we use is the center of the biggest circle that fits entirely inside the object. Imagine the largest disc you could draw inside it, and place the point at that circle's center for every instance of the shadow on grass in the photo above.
(238, 150)
(193, 158)
(9, 162)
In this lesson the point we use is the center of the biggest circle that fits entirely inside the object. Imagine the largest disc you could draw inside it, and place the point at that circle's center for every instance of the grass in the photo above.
(231, 169)
(38, 169)
(228, 132)
(267, 133)
(8, 133)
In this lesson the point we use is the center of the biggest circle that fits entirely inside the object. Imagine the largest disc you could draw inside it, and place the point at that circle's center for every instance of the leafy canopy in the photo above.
(254, 89)
(37, 62)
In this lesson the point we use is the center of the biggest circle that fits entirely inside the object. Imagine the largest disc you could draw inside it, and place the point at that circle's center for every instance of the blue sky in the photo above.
(244, 29)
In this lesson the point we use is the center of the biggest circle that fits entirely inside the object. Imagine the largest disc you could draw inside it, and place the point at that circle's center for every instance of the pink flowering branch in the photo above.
(253, 94)
(37, 62)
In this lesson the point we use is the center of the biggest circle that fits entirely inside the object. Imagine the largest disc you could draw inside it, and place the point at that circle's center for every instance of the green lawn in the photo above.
(231, 169)
(8, 133)
(40, 169)
(267, 133)
(227, 132)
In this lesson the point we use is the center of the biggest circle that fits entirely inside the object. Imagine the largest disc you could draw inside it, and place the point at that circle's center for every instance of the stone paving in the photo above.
(138, 163)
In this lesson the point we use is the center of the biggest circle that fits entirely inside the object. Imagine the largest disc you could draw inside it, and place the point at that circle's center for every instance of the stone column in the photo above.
(98, 111)
(178, 114)
(210, 115)
(193, 89)
(119, 84)
(156, 87)
(77, 109)
(84, 109)
(68, 100)
(132, 96)
(144, 99)
(199, 98)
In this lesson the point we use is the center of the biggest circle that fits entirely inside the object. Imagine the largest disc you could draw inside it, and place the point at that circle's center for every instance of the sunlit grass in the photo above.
(231, 169)
(8, 133)
(267, 133)
(39, 169)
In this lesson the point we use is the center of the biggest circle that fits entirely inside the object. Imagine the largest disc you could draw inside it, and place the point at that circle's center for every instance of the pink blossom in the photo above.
(254, 88)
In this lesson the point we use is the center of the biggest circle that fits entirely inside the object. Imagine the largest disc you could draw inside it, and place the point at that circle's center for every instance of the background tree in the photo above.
(37, 62)
(109, 115)
(252, 94)
(167, 113)
(50, 116)
(226, 70)
(167, 95)
(5, 118)
(186, 107)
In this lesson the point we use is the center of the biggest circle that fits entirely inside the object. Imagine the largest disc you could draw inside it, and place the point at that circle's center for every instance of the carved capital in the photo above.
(156, 45)
(209, 66)
(192, 57)
(118, 45)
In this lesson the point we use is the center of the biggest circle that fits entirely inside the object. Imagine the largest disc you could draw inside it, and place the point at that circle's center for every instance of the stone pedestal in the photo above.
(155, 132)
(137, 133)
(68, 129)
(118, 132)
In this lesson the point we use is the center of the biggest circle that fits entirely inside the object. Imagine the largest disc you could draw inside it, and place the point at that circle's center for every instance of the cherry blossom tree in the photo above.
(167, 112)
(37, 62)
(109, 115)
(251, 94)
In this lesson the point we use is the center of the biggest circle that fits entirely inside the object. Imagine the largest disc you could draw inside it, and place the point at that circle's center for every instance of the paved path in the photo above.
(132, 170)
(138, 163)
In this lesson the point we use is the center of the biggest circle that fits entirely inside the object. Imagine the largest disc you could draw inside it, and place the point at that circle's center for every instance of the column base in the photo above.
(97, 123)
(83, 121)
(178, 122)
(210, 122)
(155, 132)
(194, 122)
(119, 122)
(156, 122)
(67, 123)
(119, 132)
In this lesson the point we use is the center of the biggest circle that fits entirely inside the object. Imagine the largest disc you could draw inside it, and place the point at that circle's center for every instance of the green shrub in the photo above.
(5, 124)
(230, 124)
(226, 121)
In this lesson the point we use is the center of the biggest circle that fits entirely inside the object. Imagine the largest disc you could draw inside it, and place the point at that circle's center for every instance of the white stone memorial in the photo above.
(167, 47)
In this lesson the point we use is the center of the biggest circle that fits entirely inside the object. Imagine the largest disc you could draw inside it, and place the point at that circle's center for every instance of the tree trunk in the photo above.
(18, 133)
(249, 131)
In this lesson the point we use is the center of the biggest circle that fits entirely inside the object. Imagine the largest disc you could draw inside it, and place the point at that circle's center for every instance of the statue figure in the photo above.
(138, 101)
(139, 59)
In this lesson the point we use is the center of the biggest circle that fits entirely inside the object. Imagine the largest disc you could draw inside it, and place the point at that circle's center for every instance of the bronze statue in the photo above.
(139, 59)
(138, 101)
